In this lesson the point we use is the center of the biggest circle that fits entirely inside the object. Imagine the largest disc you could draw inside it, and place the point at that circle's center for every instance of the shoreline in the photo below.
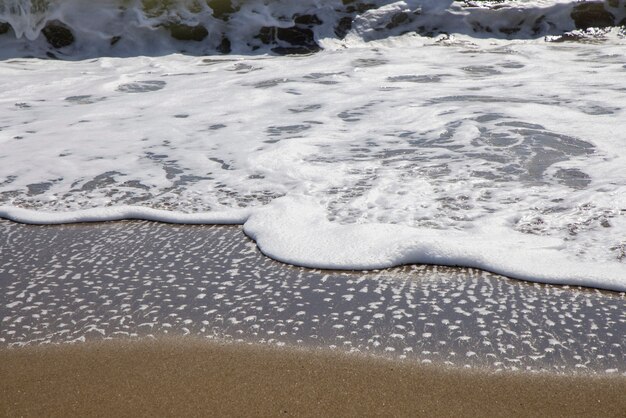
(191, 377)
(273, 249)
(136, 279)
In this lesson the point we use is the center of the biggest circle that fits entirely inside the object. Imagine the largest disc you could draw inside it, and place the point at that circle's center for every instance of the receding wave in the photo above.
(68, 28)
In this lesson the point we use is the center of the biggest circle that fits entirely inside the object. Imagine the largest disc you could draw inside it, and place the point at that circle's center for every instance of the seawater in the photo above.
(340, 134)
(80, 28)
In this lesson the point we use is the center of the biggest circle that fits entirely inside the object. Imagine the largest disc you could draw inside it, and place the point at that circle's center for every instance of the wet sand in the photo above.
(191, 377)
(134, 280)
(194, 320)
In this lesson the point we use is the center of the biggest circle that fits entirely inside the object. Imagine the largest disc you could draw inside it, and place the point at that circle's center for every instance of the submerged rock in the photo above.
(294, 50)
(310, 20)
(397, 20)
(4, 27)
(292, 35)
(187, 33)
(58, 34)
(358, 7)
(592, 15)
(224, 47)
(299, 40)
(343, 27)
(222, 9)
(296, 36)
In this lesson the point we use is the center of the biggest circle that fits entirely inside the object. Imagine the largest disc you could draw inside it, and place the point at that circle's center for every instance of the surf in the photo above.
(73, 29)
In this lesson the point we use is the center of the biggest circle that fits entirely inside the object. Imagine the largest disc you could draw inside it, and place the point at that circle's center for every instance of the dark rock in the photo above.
(267, 34)
(343, 27)
(397, 20)
(222, 9)
(4, 27)
(310, 20)
(224, 47)
(187, 33)
(479, 27)
(295, 50)
(296, 36)
(591, 15)
(509, 31)
(300, 38)
(539, 24)
(153, 8)
(115, 40)
(359, 7)
(58, 34)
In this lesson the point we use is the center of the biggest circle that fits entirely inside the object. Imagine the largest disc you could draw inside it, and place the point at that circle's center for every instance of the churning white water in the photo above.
(429, 132)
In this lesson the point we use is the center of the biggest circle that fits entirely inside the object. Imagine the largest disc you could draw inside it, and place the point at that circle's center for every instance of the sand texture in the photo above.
(192, 377)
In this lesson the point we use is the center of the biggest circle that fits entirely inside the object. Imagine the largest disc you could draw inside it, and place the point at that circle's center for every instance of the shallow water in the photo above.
(125, 280)
(482, 134)
(506, 156)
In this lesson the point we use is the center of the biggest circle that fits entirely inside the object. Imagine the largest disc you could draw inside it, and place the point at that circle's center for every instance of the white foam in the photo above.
(296, 231)
(507, 157)
(118, 213)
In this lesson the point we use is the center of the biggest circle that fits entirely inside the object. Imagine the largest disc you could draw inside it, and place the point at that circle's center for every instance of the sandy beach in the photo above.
(192, 377)
(142, 319)
(318, 208)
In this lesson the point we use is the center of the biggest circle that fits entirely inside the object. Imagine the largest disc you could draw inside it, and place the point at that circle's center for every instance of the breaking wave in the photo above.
(76, 28)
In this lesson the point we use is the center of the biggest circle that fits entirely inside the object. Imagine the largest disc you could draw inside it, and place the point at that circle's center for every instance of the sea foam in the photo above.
(296, 231)
(457, 149)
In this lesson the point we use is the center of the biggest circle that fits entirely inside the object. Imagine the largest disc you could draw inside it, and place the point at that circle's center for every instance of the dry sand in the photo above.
(191, 377)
